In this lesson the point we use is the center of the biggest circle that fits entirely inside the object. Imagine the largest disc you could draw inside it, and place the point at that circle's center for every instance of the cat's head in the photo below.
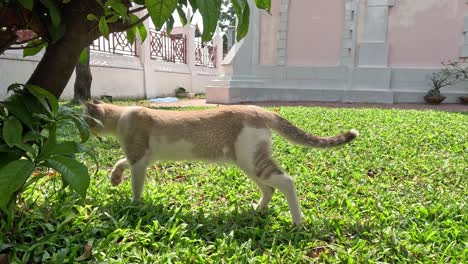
(96, 114)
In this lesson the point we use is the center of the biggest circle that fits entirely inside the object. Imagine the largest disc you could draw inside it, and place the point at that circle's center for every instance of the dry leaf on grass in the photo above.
(86, 254)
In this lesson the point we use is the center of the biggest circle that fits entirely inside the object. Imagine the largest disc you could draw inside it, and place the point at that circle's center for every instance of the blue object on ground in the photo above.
(164, 100)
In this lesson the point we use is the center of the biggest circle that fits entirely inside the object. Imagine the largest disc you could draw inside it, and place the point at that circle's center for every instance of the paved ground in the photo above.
(442, 107)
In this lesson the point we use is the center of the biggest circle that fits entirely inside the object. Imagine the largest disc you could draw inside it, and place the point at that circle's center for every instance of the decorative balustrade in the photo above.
(169, 48)
(163, 47)
(116, 44)
(205, 55)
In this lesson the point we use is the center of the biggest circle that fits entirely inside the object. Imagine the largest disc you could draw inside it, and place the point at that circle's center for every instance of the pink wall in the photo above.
(315, 32)
(269, 26)
(422, 33)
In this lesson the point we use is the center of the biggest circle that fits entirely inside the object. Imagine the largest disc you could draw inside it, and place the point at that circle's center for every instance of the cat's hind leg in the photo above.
(117, 171)
(285, 184)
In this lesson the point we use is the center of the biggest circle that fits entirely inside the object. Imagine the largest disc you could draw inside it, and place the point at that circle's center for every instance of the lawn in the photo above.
(396, 194)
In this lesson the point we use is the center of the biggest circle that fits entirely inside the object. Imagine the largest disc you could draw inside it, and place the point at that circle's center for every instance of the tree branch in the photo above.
(26, 41)
(125, 26)
(26, 47)
(138, 9)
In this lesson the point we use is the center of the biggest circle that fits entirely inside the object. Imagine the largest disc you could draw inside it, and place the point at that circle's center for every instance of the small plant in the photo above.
(180, 90)
(29, 120)
(460, 69)
(438, 80)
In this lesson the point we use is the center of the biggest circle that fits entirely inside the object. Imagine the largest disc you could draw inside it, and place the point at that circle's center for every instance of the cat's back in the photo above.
(234, 113)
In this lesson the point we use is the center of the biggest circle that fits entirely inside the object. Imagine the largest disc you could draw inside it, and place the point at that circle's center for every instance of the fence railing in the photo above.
(116, 44)
(163, 47)
(205, 55)
(168, 48)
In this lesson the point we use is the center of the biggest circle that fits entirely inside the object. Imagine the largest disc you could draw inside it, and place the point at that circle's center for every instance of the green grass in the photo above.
(396, 194)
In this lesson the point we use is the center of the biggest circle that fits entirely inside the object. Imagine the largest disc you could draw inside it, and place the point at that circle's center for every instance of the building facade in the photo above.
(345, 51)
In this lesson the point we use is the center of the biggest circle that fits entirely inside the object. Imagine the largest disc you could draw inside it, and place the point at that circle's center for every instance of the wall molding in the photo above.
(283, 33)
(464, 48)
(348, 41)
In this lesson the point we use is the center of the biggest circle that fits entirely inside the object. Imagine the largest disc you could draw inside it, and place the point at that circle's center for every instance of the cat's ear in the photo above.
(90, 108)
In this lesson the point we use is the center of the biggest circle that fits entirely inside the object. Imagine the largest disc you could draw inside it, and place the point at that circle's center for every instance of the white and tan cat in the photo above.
(235, 134)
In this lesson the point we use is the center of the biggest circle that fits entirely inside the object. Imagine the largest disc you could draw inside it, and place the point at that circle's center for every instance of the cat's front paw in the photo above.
(116, 177)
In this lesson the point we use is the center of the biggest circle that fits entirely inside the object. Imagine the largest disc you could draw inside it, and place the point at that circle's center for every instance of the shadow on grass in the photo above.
(244, 223)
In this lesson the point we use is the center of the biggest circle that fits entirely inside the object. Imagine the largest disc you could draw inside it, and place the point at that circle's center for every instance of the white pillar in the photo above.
(373, 49)
(218, 43)
(348, 50)
(464, 49)
(189, 33)
(283, 33)
(144, 53)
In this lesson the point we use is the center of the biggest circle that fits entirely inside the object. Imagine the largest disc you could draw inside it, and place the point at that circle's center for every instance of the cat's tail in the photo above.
(296, 135)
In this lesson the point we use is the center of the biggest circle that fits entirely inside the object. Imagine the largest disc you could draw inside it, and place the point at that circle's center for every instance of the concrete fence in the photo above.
(135, 73)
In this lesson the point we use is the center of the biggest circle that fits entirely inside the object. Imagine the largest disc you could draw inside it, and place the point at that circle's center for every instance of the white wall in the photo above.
(118, 75)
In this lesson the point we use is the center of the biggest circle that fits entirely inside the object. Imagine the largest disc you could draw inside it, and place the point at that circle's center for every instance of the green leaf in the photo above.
(32, 135)
(113, 18)
(142, 32)
(182, 16)
(169, 25)
(34, 47)
(84, 56)
(27, 148)
(264, 4)
(8, 155)
(56, 33)
(15, 105)
(139, 2)
(63, 149)
(193, 4)
(243, 21)
(83, 128)
(42, 95)
(210, 11)
(131, 35)
(140, 27)
(49, 144)
(12, 132)
(91, 17)
(103, 27)
(73, 172)
(54, 13)
(12, 176)
(28, 4)
(119, 7)
(160, 10)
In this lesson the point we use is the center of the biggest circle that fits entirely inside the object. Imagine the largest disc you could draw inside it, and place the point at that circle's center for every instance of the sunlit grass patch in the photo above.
(396, 194)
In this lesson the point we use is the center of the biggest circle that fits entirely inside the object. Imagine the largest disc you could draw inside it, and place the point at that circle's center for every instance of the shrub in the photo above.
(29, 120)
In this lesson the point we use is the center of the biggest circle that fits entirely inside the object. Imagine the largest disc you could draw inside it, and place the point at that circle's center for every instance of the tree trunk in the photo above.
(57, 65)
(83, 80)
(7, 38)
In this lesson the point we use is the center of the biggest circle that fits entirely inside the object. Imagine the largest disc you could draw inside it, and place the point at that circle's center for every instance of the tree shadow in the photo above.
(242, 223)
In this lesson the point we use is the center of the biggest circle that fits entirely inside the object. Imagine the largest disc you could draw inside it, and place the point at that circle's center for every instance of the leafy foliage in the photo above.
(29, 120)
(46, 17)
(395, 195)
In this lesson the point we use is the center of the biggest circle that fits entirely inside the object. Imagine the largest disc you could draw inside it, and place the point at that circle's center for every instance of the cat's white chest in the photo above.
(162, 149)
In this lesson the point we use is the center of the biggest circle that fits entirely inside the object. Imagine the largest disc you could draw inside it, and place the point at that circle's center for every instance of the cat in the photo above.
(232, 134)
